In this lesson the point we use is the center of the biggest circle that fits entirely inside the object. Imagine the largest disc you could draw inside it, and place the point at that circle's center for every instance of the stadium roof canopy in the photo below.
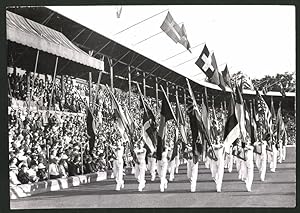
(77, 40)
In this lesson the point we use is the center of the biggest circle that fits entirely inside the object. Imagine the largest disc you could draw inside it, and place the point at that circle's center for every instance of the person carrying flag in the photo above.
(162, 167)
(152, 166)
(260, 156)
(217, 164)
(118, 164)
(140, 152)
(249, 165)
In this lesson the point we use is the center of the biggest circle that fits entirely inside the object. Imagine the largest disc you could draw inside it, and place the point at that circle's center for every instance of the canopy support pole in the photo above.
(144, 84)
(90, 89)
(53, 82)
(97, 89)
(35, 68)
(156, 93)
(129, 87)
(167, 89)
(111, 74)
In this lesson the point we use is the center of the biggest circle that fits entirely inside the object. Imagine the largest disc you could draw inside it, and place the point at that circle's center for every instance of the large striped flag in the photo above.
(166, 114)
(253, 134)
(240, 112)
(264, 110)
(232, 130)
(181, 122)
(121, 120)
(197, 128)
(149, 132)
(214, 123)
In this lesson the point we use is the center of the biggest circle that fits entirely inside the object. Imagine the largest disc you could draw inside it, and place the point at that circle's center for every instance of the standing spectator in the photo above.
(53, 168)
(23, 176)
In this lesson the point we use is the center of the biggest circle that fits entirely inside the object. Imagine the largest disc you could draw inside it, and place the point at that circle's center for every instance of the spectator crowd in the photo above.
(52, 142)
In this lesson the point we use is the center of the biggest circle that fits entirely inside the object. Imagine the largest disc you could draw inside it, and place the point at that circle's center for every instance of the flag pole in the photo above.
(151, 37)
(183, 51)
(140, 22)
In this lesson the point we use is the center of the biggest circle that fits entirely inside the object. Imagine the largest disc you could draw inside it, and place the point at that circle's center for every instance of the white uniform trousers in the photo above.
(272, 158)
(283, 152)
(261, 162)
(192, 173)
(162, 167)
(118, 173)
(152, 166)
(249, 167)
(171, 169)
(217, 168)
(228, 163)
(140, 171)
(280, 153)
(177, 163)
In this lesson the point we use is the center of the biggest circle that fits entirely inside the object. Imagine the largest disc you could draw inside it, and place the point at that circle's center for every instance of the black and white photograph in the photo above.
(151, 106)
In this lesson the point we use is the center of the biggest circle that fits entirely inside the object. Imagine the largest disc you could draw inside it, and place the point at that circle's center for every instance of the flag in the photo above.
(166, 114)
(240, 113)
(183, 40)
(149, 132)
(197, 127)
(247, 119)
(175, 147)
(264, 110)
(273, 109)
(91, 130)
(214, 126)
(194, 124)
(119, 11)
(282, 90)
(226, 76)
(280, 124)
(231, 130)
(181, 122)
(121, 120)
(253, 135)
(207, 63)
(171, 28)
(222, 84)
(131, 124)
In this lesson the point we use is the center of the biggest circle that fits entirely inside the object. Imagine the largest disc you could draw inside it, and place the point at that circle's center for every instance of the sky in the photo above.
(257, 40)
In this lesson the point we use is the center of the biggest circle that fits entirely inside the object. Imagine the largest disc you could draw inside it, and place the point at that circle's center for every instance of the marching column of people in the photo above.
(242, 153)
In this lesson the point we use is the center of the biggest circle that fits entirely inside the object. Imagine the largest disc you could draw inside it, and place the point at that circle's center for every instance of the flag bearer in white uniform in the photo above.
(260, 157)
(140, 152)
(118, 165)
(162, 167)
(177, 158)
(171, 164)
(152, 166)
(192, 169)
(249, 165)
(217, 165)
(280, 151)
(272, 157)
(228, 164)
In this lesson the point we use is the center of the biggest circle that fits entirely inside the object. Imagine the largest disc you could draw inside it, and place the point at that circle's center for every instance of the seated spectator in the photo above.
(63, 166)
(32, 173)
(13, 173)
(42, 173)
(23, 176)
(53, 168)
